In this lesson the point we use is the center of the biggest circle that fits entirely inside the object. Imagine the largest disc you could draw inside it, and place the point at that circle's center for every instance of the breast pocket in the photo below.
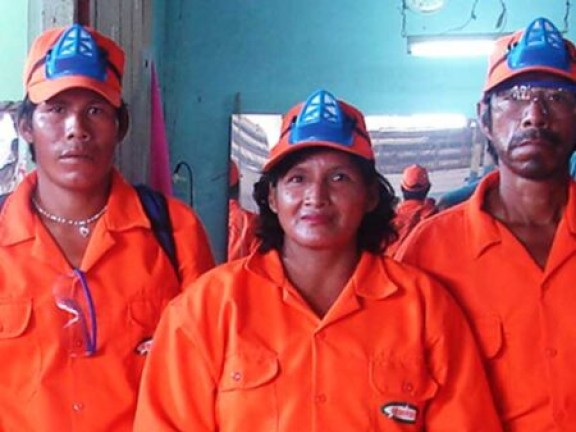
(248, 390)
(403, 387)
(489, 335)
(19, 350)
(144, 314)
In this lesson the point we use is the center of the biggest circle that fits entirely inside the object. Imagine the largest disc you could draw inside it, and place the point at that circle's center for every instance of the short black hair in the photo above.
(415, 194)
(376, 231)
(486, 119)
(24, 114)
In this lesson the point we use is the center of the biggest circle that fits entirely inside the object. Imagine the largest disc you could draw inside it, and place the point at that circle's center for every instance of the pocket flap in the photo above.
(403, 377)
(248, 367)
(14, 317)
(488, 331)
(143, 313)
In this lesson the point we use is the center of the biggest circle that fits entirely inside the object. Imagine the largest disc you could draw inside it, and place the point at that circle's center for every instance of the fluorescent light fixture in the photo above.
(469, 45)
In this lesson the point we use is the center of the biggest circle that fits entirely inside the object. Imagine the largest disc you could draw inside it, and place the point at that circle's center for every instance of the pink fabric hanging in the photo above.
(160, 173)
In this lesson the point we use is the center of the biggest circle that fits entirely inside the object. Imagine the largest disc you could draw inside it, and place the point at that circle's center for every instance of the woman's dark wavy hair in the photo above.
(27, 108)
(376, 231)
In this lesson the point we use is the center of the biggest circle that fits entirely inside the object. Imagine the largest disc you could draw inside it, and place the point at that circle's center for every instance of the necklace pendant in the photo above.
(84, 230)
(82, 224)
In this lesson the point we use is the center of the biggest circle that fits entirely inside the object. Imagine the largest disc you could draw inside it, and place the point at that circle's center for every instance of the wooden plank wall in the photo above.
(129, 23)
(57, 13)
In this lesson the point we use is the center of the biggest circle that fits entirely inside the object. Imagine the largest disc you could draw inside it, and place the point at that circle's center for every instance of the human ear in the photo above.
(484, 115)
(272, 203)
(25, 129)
(123, 119)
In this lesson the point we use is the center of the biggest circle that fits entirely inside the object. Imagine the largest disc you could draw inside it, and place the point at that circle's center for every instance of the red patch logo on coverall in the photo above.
(400, 411)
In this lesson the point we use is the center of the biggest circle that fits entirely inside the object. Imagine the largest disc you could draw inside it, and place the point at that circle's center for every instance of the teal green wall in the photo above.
(13, 45)
(274, 53)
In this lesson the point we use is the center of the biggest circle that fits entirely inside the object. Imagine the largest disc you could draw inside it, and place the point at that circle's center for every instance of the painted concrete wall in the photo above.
(223, 56)
(13, 45)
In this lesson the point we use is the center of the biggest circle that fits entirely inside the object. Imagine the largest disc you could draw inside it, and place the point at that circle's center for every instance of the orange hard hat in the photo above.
(76, 56)
(322, 121)
(538, 48)
(415, 178)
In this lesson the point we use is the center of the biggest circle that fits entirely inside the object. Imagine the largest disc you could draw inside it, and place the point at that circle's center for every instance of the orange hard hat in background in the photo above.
(538, 48)
(322, 121)
(415, 178)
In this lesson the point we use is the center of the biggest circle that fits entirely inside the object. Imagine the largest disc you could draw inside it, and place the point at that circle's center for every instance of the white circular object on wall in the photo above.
(425, 6)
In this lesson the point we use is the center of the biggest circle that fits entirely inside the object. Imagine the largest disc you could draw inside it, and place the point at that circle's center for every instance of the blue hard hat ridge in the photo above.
(541, 44)
(76, 53)
(322, 119)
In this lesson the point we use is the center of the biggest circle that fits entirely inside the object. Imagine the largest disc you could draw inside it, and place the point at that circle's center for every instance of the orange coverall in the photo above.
(241, 231)
(524, 317)
(241, 351)
(130, 279)
(408, 214)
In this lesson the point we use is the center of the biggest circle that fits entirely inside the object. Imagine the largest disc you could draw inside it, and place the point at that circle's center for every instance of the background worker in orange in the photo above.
(415, 204)
(509, 253)
(316, 331)
(82, 278)
(241, 222)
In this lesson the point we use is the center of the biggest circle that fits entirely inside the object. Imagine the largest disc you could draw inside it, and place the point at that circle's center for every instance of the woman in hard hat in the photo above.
(316, 331)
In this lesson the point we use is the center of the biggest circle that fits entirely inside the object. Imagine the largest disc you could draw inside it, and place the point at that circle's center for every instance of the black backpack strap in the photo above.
(156, 209)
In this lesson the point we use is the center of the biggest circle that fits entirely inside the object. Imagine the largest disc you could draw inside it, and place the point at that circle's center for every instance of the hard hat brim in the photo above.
(279, 152)
(504, 74)
(44, 90)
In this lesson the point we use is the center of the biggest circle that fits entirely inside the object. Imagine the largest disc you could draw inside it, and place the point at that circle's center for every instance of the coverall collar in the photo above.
(370, 267)
(123, 213)
(483, 228)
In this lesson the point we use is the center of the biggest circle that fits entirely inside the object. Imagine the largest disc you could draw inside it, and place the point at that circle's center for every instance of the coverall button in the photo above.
(321, 398)
(78, 406)
(236, 376)
(551, 352)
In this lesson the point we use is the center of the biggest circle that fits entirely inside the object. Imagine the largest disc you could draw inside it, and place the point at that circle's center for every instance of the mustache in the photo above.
(534, 134)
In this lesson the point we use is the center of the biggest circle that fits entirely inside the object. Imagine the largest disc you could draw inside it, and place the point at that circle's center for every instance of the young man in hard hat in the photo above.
(508, 254)
(83, 279)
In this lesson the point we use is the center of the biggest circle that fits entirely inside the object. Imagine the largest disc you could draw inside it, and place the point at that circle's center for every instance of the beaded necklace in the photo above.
(82, 224)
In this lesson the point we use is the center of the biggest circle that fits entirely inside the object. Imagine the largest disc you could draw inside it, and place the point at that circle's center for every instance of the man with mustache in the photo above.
(508, 254)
